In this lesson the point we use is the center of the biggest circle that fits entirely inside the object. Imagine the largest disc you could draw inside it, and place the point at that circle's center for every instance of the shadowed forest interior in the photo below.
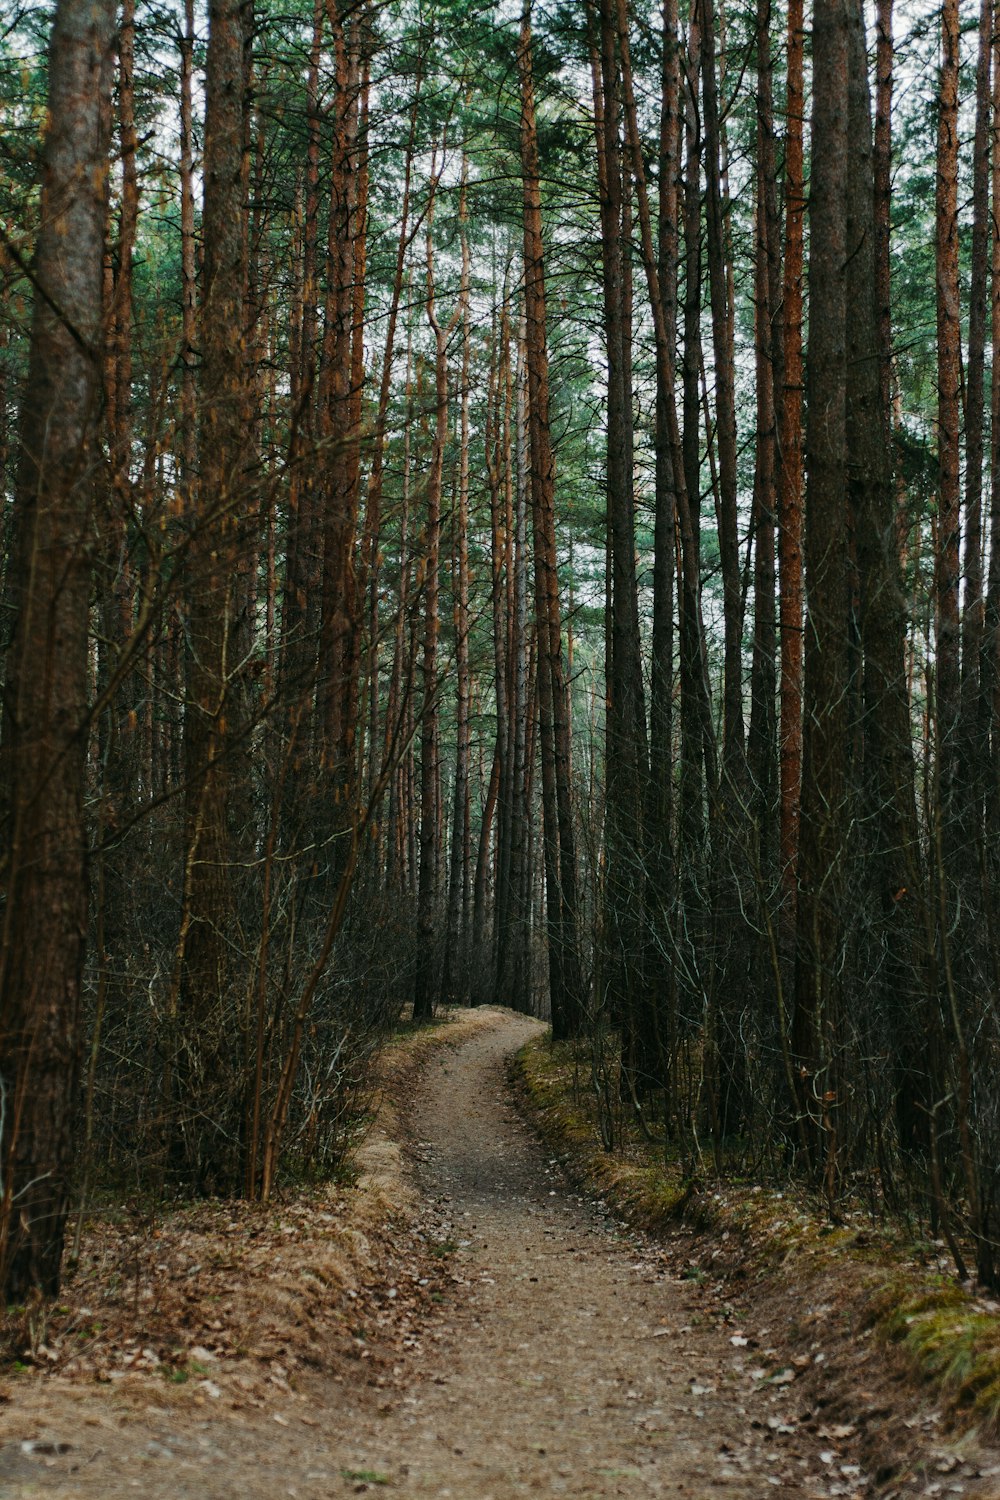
(500, 505)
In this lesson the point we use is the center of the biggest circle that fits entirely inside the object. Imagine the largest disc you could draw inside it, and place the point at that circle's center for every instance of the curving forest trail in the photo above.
(562, 1357)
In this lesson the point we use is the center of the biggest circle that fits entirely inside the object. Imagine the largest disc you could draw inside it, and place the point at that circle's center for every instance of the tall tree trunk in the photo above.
(188, 444)
(497, 464)
(660, 816)
(45, 709)
(971, 749)
(949, 353)
(339, 412)
(214, 763)
(882, 177)
(790, 499)
(896, 912)
(719, 261)
(566, 982)
(627, 765)
(425, 982)
(302, 561)
(369, 561)
(456, 970)
(762, 737)
(990, 678)
(824, 778)
(698, 758)
(660, 264)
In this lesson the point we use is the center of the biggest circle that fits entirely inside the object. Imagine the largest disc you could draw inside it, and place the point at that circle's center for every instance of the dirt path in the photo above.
(563, 1358)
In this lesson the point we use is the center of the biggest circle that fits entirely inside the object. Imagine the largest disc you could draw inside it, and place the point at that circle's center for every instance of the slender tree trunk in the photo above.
(971, 748)
(45, 709)
(336, 692)
(369, 572)
(456, 971)
(719, 260)
(762, 738)
(990, 677)
(824, 779)
(425, 984)
(660, 815)
(189, 294)
(790, 498)
(627, 767)
(399, 709)
(949, 354)
(213, 749)
(660, 263)
(566, 982)
(697, 728)
(882, 175)
(302, 570)
(497, 464)
(896, 913)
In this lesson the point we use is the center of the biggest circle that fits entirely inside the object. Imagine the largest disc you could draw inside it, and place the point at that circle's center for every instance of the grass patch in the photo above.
(950, 1337)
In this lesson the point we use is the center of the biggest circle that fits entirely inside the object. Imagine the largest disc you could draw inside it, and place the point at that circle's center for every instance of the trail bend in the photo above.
(563, 1356)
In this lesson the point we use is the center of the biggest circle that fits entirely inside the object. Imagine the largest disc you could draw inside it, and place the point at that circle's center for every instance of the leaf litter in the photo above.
(469, 1326)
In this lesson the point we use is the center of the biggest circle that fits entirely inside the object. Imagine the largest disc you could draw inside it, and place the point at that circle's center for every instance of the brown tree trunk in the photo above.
(456, 971)
(790, 498)
(698, 759)
(821, 867)
(369, 561)
(882, 176)
(896, 912)
(216, 811)
(302, 561)
(719, 261)
(336, 694)
(497, 460)
(425, 981)
(626, 763)
(45, 708)
(990, 678)
(399, 709)
(566, 983)
(513, 675)
(660, 816)
(971, 748)
(762, 737)
(189, 296)
(660, 264)
(949, 354)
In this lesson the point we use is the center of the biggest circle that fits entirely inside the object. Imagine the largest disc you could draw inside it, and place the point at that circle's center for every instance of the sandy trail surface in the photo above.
(561, 1356)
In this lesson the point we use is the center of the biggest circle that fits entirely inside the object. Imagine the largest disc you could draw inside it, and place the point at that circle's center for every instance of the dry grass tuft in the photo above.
(215, 1290)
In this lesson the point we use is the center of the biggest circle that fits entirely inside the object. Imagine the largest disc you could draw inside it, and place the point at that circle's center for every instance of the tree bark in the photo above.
(790, 498)
(425, 982)
(949, 355)
(456, 970)
(895, 913)
(45, 703)
(566, 983)
(216, 811)
(627, 766)
(824, 776)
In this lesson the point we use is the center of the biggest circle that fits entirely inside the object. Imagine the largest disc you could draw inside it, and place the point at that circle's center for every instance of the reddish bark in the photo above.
(45, 700)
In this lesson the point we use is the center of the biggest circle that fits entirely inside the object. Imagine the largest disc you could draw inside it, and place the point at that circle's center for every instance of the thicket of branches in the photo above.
(499, 508)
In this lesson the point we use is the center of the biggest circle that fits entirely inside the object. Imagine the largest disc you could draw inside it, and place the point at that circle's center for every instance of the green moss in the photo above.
(952, 1341)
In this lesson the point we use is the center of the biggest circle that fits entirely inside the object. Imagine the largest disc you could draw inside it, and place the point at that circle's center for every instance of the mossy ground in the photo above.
(887, 1282)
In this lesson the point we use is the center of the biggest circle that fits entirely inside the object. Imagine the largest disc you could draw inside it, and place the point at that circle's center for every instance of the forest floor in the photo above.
(463, 1323)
